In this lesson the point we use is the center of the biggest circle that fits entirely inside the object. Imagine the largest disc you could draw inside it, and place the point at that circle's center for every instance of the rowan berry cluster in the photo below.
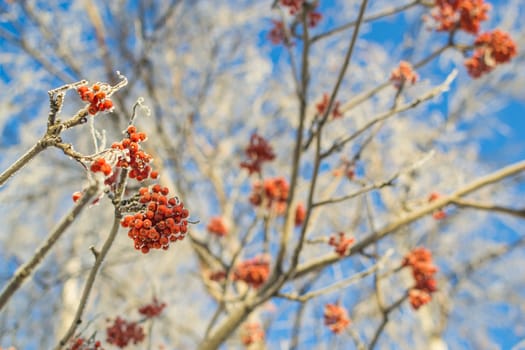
(253, 272)
(217, 276)
(423, 270)
(101, 165)
(402, 74)
(272, 192)
(293, 5)
(492, 48)
(133, 156)
(257, 152)
(152, 309)
(81, 343)
(122, 332)
(340, 243)
(323, 105)
(159, 221)
(336, 318)
(96, 96)
(463, 14)
(277, 34)
(252, 333)
(217, 226)
(300, 214)
(440, 213)
(314, 17)
(346, 168)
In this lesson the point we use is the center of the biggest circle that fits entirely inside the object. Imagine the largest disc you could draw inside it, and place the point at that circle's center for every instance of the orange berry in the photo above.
(107, 104)
(92, 109)
(77, 196)
(154, 175)
(132, 129)
(142, 136)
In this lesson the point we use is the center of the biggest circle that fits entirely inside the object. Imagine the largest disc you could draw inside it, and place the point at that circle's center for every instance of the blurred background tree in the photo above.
(314, 161)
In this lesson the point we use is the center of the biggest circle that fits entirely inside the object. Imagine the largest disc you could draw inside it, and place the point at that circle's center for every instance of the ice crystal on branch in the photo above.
(336, 318)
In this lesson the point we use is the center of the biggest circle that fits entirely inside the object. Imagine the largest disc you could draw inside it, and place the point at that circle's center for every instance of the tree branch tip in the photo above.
(95, 252)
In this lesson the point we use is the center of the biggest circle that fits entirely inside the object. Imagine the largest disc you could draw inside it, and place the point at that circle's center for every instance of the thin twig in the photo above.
(429, 95)
(77, 319)
(22, 161)
(473, 186)
(489, 207)
(370, 18)
(384, 320)
(340, 284)
(25, 270)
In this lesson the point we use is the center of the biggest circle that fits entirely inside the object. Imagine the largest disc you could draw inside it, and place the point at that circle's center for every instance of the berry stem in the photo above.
(25, 270)
(99, 258)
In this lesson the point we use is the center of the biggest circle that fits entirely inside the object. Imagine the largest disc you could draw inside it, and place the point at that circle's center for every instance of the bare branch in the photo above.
(341, 284)
(376, 16)
(489, 207)
(429, 95)
(25, 270)
(489, 179)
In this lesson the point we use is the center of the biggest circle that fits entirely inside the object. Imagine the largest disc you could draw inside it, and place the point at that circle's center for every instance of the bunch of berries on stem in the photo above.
(423, 270)
(159, 221)
(96, 96)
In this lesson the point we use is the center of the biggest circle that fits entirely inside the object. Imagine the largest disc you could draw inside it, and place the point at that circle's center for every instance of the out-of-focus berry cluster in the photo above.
(336, 318)
(80, 343)
(257, 152)
(152, 309)
(403, 74)
(253, 272)
(322, 105)
(423, 271)
(277, 34)
(252, 333)
(272, 193)
(492, 48)
(123, 332)
(217, 226)
(341, 243)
